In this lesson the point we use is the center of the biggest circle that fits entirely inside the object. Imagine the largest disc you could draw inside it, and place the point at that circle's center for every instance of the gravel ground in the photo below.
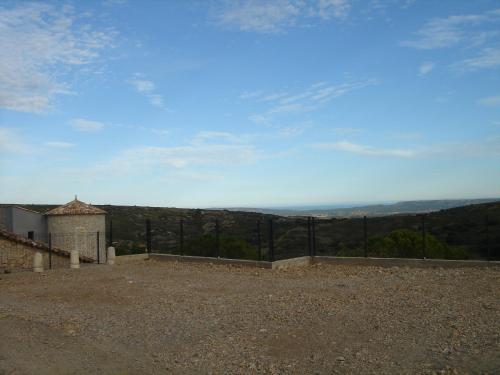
(155, 318)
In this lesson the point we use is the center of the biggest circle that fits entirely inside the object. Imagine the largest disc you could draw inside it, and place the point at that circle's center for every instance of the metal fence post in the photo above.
(148, 236)
(309, 240)
(259, 241)
(271, 241)
(365, 235)
(50, 251)
(488, 247)
(110, 232)
(424, 244)
(217, 238)
(98, 252)
(181, 234)
(313, 236)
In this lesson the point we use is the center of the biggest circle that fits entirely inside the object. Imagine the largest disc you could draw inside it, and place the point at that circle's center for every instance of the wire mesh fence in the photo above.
(275, 238)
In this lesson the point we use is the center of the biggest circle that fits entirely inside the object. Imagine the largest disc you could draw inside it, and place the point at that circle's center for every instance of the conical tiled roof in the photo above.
(75, 207)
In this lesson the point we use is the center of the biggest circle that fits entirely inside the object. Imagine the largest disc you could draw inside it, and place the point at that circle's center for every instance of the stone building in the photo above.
(73, 226)
(79, 226)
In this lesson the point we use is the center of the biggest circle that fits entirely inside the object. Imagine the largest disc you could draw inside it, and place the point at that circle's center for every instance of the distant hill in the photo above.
(461, 229)
(405, 207)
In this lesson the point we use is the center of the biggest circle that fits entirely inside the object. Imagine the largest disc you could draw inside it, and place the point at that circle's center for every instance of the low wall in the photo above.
(292, 263)
(403, 262)
(307, 261)
(185, 258)
(19, 256)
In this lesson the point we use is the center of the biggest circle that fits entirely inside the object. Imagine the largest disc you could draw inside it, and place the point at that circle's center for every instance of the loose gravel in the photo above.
(176, 318)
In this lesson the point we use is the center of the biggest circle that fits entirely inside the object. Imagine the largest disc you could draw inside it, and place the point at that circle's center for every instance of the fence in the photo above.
(89, 244)
(271, 238)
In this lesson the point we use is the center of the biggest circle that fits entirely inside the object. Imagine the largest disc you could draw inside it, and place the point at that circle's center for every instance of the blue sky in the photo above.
(249, 103)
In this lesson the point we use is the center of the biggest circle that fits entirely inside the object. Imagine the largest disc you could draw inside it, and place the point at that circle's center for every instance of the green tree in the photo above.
(407, 243)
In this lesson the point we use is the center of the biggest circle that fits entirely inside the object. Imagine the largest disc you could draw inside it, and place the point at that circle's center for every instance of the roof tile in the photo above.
(75, 207)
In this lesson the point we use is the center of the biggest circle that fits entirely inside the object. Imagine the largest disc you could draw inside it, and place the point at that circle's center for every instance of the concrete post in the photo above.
(75, 259)
(111, 255)
(38, 262)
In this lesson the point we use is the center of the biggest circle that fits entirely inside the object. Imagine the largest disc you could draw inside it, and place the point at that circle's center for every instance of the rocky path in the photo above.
(156, 318)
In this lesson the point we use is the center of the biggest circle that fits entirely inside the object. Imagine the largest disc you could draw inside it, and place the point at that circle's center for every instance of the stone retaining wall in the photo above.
(15, 255)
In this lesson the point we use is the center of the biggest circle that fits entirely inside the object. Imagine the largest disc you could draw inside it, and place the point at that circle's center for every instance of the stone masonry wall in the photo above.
(79, 232)
(14, 255)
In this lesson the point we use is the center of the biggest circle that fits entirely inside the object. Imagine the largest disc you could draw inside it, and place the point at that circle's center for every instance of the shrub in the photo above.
(406, 243)
(230, 247)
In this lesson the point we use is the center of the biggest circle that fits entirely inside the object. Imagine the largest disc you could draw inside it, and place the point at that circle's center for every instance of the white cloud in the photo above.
(488, 147)
(425, 68)
(365, 150)
(260, 16)
(274, 16)
(250, 94)
(488, 58)
(84, 125)
(41, 43)
(201, 158)
(165, 159)
(467, 30)
(492, 101)
(156, 100)
(147, 88)
(160, 131)
(10, 142)
(142, 85)
(209, 135)
(310, 99)
(333, 8)
(58, 144)
(293, 130)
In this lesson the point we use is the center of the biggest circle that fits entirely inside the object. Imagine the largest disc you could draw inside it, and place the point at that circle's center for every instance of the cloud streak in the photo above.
(84, 125)
(274, 16)
(364, 149)
(492, 101)
(466, 30)
(207, 150)
(488, 58)
(312, 98)
(10, 142)
(40, 44)
(489, 147)
(425, 68)
(59, 144)
(146, 88)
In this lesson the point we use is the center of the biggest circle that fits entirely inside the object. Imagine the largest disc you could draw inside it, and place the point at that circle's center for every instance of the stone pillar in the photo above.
(80, 244)
(75, 259)
(38, 262)
(111, 255)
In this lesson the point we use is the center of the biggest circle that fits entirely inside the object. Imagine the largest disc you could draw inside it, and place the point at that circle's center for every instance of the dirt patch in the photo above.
(152, 317)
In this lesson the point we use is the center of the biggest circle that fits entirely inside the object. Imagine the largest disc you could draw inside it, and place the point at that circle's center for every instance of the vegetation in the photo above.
(457, 233)
(407, 243)
(229, 247)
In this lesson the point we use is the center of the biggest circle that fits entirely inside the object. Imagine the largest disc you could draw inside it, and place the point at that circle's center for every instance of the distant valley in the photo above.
(404, 207)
